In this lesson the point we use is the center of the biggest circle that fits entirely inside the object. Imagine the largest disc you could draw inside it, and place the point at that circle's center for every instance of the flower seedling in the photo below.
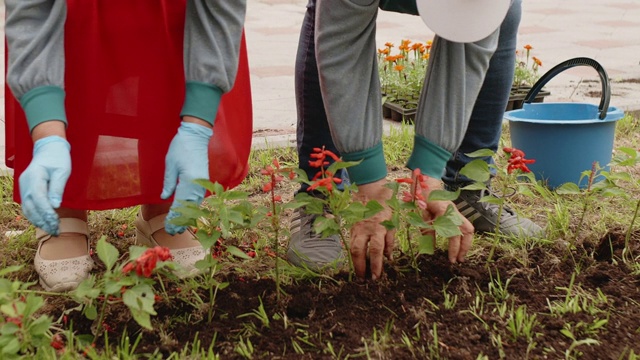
(335, 207)
(274, 176)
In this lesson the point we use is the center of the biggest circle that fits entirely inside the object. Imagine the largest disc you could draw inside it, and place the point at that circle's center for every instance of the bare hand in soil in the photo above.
(369, 234)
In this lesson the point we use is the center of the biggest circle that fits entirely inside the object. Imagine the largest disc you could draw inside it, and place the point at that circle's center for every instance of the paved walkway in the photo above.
(606, 31)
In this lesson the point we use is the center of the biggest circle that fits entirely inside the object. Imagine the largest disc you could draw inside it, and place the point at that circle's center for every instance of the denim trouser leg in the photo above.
(312, 127)
(485, 125)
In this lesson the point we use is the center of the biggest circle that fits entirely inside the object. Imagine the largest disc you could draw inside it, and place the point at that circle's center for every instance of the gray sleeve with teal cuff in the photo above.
(346, 57)
(211, 47)
(35, 73)
(454, 77)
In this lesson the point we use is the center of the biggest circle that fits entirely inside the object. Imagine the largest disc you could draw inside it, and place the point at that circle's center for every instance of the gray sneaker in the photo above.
(484, 216)
(311, 250)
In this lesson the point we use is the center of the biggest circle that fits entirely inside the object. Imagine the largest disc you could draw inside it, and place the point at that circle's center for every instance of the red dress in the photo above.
(124, 83)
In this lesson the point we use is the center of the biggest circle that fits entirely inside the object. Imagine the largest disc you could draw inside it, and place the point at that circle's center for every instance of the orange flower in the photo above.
(426, 56)
(537, 61)
(384, 51)
(528, 47)
(399, 67)
(388, 44)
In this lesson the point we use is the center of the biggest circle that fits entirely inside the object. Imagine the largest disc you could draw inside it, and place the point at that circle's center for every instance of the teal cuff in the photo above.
(430, 158)
(371, 168)
(201, 100)
(44, 103)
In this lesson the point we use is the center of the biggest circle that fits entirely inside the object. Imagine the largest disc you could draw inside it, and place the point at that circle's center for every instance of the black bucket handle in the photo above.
(579, 61)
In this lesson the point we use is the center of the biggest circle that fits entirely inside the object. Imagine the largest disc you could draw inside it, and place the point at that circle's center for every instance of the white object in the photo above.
(463, 20)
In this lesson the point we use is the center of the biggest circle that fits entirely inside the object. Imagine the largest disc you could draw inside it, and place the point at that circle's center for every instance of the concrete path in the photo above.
(606, 31)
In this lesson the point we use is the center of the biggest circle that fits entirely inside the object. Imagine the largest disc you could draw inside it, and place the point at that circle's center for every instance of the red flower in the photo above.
(57, 342)
(274, 175)
(15, 320)
(320, 154)
(517, 161)
(415, 195)
(145, 264)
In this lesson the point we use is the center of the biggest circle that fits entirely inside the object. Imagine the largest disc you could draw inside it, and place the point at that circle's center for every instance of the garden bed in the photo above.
(574, 294)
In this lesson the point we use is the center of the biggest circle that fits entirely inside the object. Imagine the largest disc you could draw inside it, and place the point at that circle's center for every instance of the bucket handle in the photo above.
(579, 61)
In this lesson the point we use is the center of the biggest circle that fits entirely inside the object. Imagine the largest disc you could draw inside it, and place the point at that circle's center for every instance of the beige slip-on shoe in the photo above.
(63, 274)
(186, 257)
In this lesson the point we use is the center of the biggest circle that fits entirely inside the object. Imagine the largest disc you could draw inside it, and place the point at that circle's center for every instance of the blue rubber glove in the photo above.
(42, 182)
(186, 160)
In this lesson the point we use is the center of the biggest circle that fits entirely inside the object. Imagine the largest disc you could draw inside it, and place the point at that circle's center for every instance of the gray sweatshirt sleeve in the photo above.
(35, 39)
(346, 56)
(211, 48)
(454, 77)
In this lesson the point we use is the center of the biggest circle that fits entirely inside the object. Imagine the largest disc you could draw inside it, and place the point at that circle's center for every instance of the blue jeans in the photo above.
(485, 125)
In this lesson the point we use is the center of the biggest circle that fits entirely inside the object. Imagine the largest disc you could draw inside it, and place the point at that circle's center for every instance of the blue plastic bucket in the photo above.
(565, 139)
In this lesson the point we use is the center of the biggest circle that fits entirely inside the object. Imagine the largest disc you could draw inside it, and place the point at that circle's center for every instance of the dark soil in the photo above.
(350, 315)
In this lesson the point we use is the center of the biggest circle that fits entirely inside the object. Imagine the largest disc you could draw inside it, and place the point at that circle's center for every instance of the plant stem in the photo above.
(414, 260)
(586, 204)
(352, 269)
(496, 235)
(275, 227)
(627, 237)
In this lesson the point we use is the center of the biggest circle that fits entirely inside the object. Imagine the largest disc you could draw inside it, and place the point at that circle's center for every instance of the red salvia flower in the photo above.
(320, 154)
(517, 160)
(415, 195)
(145, 264)
(57, 342)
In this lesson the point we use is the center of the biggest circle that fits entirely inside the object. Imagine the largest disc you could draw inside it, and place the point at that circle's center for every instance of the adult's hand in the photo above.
(186, 160)
(458, 245)
(369, 234)
(42, 182)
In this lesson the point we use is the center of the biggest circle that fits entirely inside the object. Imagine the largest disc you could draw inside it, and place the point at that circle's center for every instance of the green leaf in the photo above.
(426, 244)
(568, 189)
(12, 347)
(140, 299)
(443, 195)
(237, 252)
(326, 226)
(32, 304)
(339, 165)
(475, 186)
(40, 326)
(207, 184)
(142, 318)
(373, 207)
(136, 251)
(10, 269)
(388, 224)
(481, 153)
(90, 312)
(492, 200)
(448, 225)
(107, 253)
(207, 240)
(233, 195)
(416, 220)
(567, 333)
(9, 328)
(6, 286)
(476, 170)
